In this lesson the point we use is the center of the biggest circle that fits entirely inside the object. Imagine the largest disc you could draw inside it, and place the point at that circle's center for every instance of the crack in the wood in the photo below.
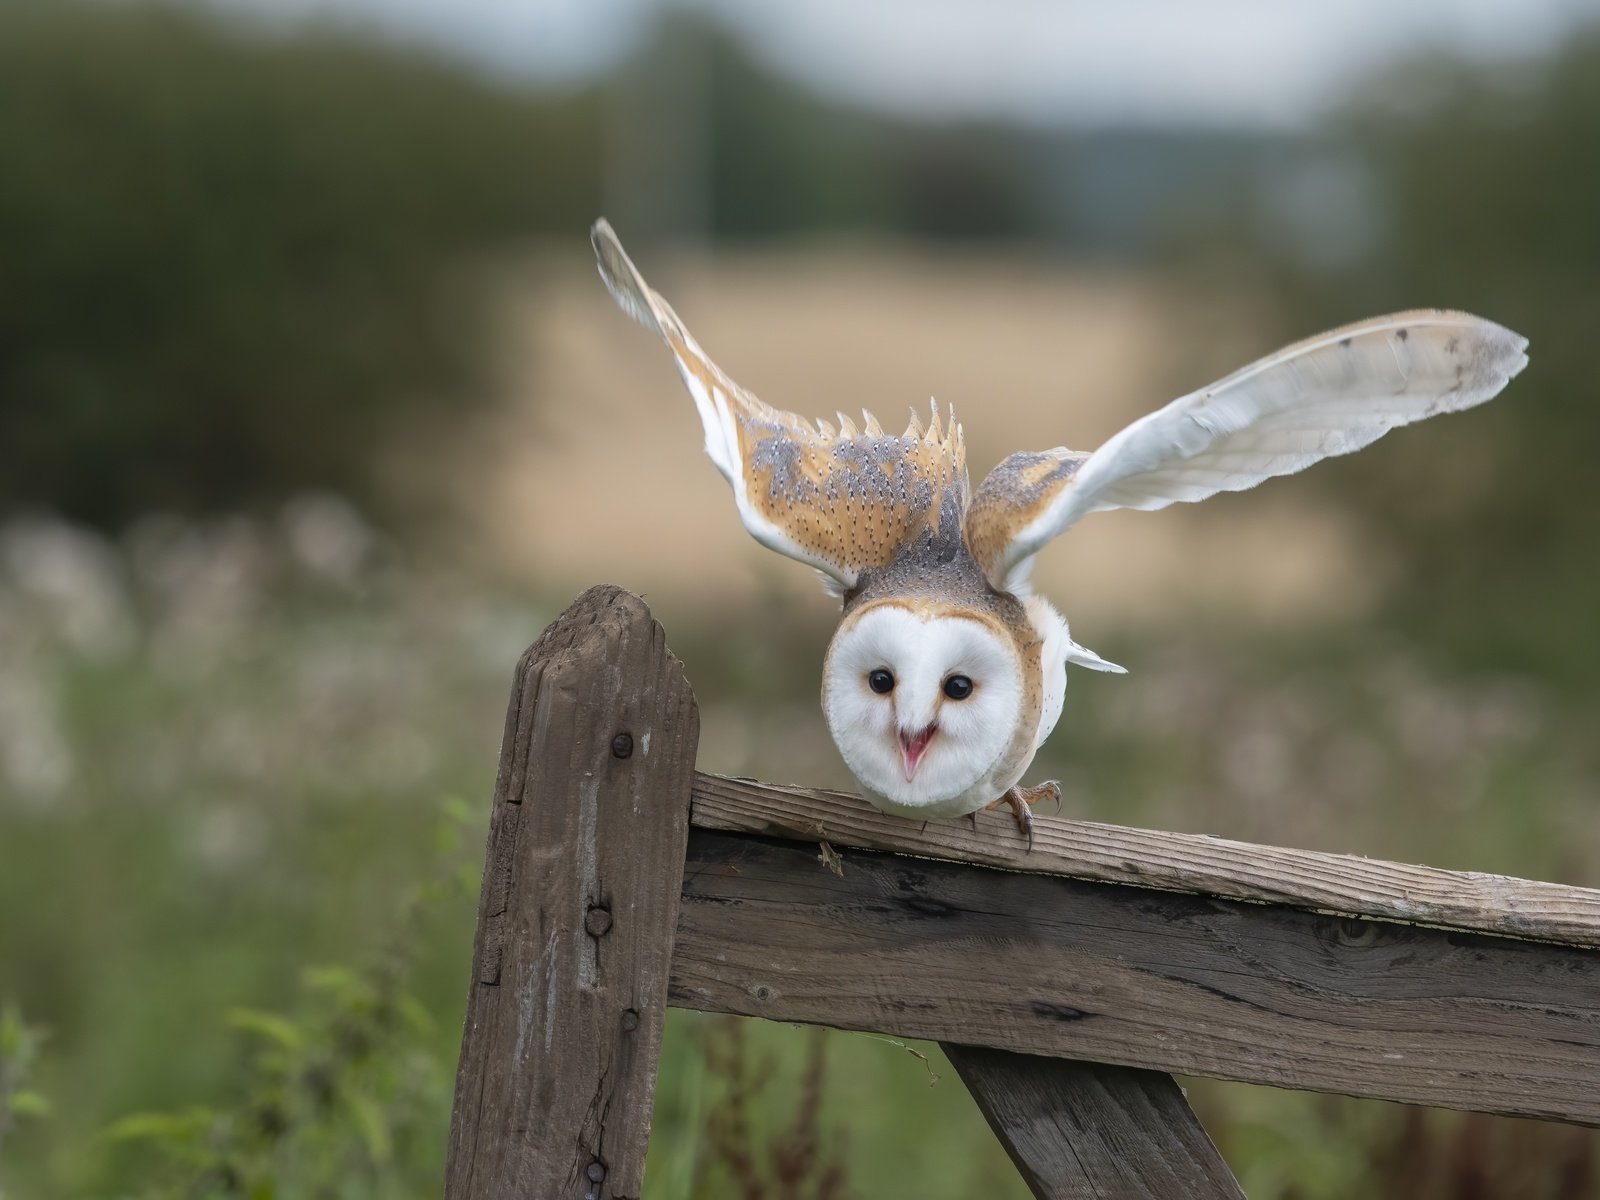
(1057, 1012)
(1070, 1143)
(595, 1116)
(1256, 1005)
(929, 906)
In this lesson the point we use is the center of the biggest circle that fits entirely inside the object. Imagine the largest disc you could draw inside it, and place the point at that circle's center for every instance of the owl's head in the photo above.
(922, 703)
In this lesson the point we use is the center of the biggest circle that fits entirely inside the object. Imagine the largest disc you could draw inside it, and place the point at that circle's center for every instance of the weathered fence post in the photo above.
(575, 924)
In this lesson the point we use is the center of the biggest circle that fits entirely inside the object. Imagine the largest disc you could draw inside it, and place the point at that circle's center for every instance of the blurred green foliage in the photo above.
(1484, 185)
(236, 263)
(220, 761)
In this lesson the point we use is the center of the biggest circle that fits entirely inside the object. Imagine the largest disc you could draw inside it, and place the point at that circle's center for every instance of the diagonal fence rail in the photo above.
(1065, 984)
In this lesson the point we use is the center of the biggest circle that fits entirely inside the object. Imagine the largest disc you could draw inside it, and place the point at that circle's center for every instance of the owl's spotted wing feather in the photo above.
(844, 501)
(1325, 396)
(1014, 495)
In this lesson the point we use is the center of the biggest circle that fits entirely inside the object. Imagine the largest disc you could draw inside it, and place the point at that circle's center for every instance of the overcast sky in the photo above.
(1258, 62)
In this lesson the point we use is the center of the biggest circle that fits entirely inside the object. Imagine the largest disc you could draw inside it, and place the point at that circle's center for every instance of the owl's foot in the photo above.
(1048, 790)
(1022, 800)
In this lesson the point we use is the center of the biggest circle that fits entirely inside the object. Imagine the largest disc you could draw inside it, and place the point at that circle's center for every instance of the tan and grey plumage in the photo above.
(946, 673)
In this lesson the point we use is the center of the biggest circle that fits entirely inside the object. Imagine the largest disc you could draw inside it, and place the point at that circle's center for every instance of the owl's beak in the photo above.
(913, 746)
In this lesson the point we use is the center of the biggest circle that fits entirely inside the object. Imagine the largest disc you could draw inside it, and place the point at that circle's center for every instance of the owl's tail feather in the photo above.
(1082, 656)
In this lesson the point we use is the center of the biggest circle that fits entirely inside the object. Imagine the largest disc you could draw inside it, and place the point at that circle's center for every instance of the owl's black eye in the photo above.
(958, 687)
(881, 682)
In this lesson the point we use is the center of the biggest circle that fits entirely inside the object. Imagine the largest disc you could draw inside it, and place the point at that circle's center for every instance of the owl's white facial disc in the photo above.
(921, 706)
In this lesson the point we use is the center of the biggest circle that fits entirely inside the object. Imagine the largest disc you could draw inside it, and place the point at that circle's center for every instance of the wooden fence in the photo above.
(1063, 983)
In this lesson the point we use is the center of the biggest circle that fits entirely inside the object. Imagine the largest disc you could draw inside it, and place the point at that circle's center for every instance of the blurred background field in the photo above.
(313, 413)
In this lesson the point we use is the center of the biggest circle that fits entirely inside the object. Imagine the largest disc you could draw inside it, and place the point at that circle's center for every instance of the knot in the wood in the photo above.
(622, 745)
(630, 1020)
(1354, 932)
(596, 1172)
(597, 921)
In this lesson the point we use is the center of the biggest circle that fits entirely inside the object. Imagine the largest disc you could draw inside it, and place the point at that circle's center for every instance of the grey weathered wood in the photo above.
(580, 894)
(1082, 1129)
(1137, 977)
(1339, 883)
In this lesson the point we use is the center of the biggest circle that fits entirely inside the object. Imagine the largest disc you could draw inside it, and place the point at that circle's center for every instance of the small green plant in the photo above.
(342, 1094)
(19, 1050)
(342, 1097)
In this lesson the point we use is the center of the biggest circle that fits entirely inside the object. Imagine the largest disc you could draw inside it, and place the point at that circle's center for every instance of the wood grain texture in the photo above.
(580, 895)
(1083, 1129)
(1183, 862)
(1137, 977)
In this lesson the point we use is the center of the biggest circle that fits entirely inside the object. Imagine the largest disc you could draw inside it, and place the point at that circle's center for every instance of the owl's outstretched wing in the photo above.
(841, 500)
(1328, 395)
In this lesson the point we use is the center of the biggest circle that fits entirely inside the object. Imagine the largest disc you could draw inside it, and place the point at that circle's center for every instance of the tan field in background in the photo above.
(596, 471)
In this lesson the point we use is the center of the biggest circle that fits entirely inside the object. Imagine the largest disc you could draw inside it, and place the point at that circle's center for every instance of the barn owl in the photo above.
(946, 672)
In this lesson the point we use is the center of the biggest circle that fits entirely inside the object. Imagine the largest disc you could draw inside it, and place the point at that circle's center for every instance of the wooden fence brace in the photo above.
(1078, 1129)
(580, 894)
(1144, 951)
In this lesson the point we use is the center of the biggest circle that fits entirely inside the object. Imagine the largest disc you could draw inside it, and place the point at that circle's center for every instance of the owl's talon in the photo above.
(1024, 816)
(1021, 801)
